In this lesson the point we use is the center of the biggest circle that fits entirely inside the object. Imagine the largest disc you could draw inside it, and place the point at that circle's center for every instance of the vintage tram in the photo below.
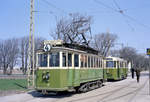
(116, 68)
(68, 67)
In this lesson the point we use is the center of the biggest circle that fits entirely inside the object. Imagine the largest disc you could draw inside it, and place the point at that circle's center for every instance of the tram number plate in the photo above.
(148, 51)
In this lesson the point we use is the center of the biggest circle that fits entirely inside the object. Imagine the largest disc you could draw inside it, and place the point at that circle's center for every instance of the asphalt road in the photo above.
(127, 90)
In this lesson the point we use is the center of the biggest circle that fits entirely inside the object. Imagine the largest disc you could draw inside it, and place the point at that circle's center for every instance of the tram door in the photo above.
(70, 68)
(118, 69)
(76, 72)
(73, 69)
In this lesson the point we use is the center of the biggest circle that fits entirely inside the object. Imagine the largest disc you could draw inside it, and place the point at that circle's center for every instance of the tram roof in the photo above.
(114, 58)
(60, 43)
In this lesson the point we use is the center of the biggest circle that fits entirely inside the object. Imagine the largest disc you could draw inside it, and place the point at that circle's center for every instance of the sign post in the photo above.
(148, 53)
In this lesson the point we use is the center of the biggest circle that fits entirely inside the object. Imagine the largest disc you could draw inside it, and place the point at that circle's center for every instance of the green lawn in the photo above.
(13, 84)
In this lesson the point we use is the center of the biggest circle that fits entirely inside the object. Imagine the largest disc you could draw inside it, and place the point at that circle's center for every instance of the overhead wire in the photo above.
(52, 5)
(121, 12)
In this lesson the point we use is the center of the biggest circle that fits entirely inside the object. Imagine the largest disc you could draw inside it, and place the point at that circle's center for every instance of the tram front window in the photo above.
(54, 59)
(42, 60)
(109, 64)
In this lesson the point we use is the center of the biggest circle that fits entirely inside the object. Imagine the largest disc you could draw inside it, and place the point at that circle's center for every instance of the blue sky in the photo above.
(14, 18)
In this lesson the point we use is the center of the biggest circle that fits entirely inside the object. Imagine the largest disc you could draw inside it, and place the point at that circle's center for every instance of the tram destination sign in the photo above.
(148, 51)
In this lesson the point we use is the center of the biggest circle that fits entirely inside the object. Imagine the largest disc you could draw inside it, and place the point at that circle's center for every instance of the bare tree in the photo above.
(9, 54)
(139, 61)
(128, 53)
(24, 44)
(103, 42)
(75, 29)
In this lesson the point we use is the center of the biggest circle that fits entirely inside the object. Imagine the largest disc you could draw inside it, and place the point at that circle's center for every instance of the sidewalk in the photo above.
(143, 94)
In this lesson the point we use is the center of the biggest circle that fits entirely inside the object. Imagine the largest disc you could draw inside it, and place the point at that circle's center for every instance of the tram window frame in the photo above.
(76, 60)
(45, 60)
(64, 59)
(55, 59)
(69, 60)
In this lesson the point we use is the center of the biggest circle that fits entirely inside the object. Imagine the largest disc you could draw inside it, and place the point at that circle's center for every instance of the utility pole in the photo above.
(31, 67)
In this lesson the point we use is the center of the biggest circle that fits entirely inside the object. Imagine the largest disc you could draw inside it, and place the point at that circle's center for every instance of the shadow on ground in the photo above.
(51, 95)
(24, 87)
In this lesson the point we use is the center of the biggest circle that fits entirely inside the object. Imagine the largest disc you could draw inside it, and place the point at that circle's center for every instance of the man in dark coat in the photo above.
(132, 72)
(138, 74)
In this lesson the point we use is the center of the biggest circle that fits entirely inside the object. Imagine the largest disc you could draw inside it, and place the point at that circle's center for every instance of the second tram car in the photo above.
(67, 67)
(116, 68)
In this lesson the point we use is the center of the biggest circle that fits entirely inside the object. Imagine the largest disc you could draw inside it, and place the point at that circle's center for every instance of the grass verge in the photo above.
(13, 84)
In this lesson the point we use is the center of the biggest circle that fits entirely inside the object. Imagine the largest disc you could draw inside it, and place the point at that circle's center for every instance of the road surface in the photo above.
(127, 90)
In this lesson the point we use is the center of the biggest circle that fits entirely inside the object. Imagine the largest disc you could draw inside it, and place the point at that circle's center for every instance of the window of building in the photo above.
(42, 60)
(69, 59)
(76, 60)
(64, 59)
(54, 59)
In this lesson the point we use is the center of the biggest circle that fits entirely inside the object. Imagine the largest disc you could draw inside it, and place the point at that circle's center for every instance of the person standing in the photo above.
(132, 72)
(138, 75)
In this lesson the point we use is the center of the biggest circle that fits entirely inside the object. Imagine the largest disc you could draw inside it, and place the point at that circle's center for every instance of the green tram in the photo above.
(116, 68)
(68, 67)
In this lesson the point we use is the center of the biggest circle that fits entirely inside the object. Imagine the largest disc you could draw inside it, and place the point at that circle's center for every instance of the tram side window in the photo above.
(76, 60)
(89, 61)
(85, 61)
(109, 64)
(99, 63)
(54, 59)
(115, 64)
(64, 60)
(69, 59)
(82, 60)
(94, 62)
(42, 60)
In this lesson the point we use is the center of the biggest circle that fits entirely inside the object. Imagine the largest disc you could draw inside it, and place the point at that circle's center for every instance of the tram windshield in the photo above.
(42, 60)
(54, 59)
(110, 64)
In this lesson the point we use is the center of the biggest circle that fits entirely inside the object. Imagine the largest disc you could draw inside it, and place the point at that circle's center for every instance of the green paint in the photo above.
(62, 79)
(116, 74)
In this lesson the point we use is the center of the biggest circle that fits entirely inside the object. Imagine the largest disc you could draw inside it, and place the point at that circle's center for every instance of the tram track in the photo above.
(105, 93)
(134, 92)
